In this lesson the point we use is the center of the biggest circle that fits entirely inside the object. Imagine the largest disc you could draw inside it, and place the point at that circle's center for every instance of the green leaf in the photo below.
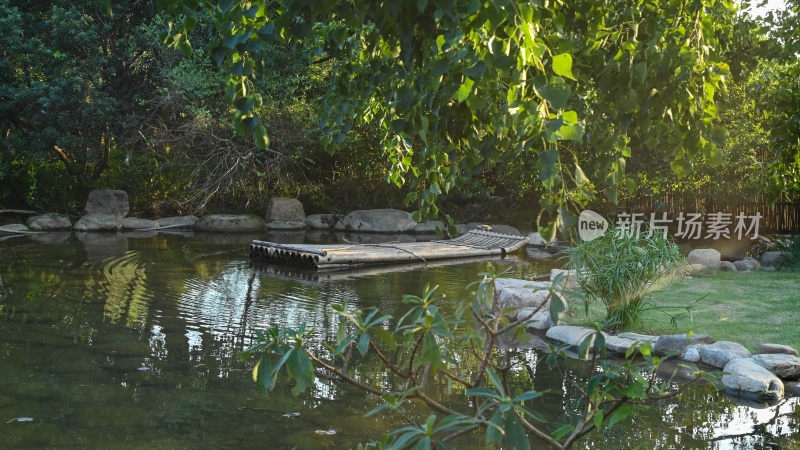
(555, 93)
(431, 353)
(570, 117)
(300, 368)
(494, 431)
(516, 437)
(261, 138)
(363, 344)
(570, 132)
(562, 65)
(562, 431)
(105, 6)
(598, 419)
(620, 414)
(464, 90)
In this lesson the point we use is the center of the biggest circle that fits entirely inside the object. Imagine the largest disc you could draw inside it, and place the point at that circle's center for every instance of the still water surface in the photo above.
(130, 341)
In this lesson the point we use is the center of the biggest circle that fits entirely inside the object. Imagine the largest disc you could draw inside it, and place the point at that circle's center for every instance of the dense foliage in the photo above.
(464, 350)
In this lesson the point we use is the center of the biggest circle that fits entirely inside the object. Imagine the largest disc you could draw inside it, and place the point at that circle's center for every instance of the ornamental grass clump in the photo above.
(620, 269)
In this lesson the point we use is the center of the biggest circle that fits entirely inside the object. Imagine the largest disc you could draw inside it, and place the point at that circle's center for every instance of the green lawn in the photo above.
(749, 308)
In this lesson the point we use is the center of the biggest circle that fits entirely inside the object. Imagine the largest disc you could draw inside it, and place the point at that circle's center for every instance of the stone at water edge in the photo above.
(377, 221)
(14, 228)
(679, 342)
(179, 222)
(506, 229)
(538, 254)
(282, 209)
(785, 366)
(639, 337)
(107, 201)
(771, 259)
(570, 282)
(285, 226)
(49, 222)
(541, 320)
(620, 344)
(133, 223)
(708, 257)
(429, 227)
(691, 354)
(719, 353)
(513, 294)
(767, 348)
(99, 222)
(570, 335)
(727, 266)
(745, 378)
(322, 221)
(230, 223)
(792, 388)
(747, 264)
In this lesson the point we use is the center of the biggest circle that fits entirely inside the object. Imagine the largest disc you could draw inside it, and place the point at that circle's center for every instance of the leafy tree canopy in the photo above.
(454, 84)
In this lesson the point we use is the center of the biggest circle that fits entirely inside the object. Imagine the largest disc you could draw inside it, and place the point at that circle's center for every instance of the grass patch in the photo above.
(749, 308)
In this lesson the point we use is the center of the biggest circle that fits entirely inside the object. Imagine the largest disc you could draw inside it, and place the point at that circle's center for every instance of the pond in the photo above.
(131, 340)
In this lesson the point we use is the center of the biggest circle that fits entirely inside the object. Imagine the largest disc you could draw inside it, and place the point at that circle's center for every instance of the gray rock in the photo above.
(747, 264)
(745, 378)
(792, 388)
(285, 226)
(132, 223)
(230, 223)
(538, 254)
(180, 222)
(323, 221)
(107, 201)
(99, 222)
(570, 335)
(541, 320)
(691, 354)
(708, 257)
(14, 228)
(506, 229)
(776, 348)
(513, 294)
(51, 237)
(639, 337)
(772, 259)
(282, 209)
(679, 342)
(377, 221)
(698, 267)
(620, 345)
(727, 266)
(49, 222)
(784, 366)
(536, 239)
(719, 353)
(429, 227)
(571, 280)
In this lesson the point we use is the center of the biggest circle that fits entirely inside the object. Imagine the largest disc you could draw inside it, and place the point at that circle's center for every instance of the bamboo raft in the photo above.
(475, 243)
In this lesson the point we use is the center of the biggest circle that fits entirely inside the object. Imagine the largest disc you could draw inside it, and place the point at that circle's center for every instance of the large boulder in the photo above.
(282, 209)
(784, 366)
(708, 257)
(639, 337)
(776, 348)
(180, 222)
(99, 222)
(230, 223)
(621, 344)
(772, 259)
(719, 353)
(747, 264)
(679, 342)
(49, 222)
(107, 201)
(377, 221)
(513, 294)
(133, 223)
(745, 378)
(323, 221)
(285, 214)
(727, 266)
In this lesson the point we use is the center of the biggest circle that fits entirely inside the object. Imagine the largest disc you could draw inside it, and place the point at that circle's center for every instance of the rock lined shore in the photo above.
(766, 377)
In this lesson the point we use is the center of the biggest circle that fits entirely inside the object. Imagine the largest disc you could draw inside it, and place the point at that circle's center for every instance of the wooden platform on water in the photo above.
(475, 243)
